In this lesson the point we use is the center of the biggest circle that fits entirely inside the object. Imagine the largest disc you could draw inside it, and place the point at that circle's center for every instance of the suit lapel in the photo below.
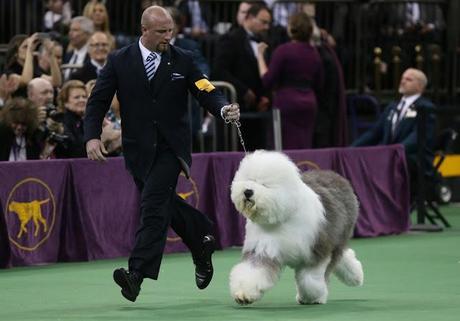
(163, 73)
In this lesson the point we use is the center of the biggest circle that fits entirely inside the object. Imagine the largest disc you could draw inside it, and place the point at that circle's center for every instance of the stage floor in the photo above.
(408, 277)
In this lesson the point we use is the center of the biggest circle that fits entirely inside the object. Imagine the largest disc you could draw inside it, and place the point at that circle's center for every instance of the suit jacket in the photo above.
(236, 63)
(147, 108)
(68, 56)
(405, 132)
(85, 73)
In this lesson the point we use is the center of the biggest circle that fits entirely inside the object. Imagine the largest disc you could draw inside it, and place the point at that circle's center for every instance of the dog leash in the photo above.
(238, 128)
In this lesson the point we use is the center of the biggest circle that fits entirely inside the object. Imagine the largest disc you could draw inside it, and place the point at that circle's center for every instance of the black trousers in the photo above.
(161, 207)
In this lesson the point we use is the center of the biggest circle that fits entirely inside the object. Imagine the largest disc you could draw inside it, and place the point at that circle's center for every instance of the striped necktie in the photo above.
(150, 65)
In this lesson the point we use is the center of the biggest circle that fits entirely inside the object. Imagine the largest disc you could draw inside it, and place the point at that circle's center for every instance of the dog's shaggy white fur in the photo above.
(302, 221)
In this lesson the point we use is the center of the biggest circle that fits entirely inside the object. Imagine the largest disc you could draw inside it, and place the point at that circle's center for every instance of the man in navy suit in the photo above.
(81, 29)
(398, 123)
(235, 62)
(152, 79)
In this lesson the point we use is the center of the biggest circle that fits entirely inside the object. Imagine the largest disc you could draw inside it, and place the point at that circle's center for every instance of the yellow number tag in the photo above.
(204, 84)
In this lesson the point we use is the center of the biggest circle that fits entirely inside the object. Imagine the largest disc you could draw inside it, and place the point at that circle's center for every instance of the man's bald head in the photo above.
(157, 28)
(154, 13)
(40, 91)
(413, 81)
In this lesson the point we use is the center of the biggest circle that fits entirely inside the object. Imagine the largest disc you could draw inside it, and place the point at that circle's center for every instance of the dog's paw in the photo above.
(243, 298)
(302, 300)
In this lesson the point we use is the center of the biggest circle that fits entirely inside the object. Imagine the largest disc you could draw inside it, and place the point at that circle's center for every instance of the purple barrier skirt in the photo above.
(74, 210)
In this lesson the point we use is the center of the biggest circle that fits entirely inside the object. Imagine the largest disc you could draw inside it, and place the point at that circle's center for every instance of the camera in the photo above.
(53, 113)
(58, 139)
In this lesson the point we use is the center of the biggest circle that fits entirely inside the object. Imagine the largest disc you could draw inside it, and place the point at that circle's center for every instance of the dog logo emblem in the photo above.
(30, 213)
(187, 190)
(27, 211)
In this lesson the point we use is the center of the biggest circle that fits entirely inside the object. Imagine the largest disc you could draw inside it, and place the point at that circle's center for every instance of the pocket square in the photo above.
(176, 76)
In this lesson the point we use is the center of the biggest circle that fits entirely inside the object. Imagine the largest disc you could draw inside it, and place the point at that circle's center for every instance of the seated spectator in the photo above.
(81, 29)
(16, 55)
(57, 18)
(99, 48)
(49, 61)
(296, 75)
(19, 137)
(72, 102)
(398, 122)
(197, 17)
(97, 12)
(41, 94)
(8, 85)
(21, 59)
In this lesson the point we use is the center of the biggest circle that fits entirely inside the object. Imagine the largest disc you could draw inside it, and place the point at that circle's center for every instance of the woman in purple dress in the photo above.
(295, 75)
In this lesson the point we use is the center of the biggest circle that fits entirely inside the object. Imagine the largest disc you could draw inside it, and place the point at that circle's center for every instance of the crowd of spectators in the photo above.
(274, 54)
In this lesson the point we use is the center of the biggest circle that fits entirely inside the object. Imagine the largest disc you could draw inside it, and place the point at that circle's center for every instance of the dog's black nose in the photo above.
(248, 193)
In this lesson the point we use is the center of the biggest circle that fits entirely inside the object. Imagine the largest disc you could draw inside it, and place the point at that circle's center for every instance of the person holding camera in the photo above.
(20, 138)
(40, 92)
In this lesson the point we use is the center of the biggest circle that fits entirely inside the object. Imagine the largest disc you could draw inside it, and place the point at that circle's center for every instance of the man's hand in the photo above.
(231, 112)
(249, 98)
(41, 114)
(96, 150)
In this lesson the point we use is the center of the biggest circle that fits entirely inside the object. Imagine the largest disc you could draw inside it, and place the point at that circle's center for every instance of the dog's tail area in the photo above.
(349, 270)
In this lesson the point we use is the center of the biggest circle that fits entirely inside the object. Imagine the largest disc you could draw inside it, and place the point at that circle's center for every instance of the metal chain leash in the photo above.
(238, 128)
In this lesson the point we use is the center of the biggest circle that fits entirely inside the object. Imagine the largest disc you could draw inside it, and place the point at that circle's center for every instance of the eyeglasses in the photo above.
(99, 45)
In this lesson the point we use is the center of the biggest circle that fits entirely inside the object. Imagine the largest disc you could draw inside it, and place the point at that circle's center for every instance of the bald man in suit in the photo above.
(152, 79)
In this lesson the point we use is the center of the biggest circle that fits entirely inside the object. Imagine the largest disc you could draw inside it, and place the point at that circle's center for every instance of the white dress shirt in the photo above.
(145, 53)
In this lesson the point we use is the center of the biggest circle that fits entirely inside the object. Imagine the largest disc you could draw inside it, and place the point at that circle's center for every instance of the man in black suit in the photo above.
(236, 63)
(81, 28)
(152, 79)
(398, 122)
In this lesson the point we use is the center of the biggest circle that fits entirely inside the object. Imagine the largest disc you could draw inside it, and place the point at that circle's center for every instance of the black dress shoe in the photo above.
(203, 263)
(130, 283)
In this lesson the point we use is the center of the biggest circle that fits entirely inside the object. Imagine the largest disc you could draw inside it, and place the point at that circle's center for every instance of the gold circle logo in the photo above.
(188, 191)
(30, 213)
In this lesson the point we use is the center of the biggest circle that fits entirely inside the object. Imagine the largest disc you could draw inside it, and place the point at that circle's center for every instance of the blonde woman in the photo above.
(97, 12)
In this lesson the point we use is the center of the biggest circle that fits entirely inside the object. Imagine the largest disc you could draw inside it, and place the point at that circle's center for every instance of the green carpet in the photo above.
(407, 277)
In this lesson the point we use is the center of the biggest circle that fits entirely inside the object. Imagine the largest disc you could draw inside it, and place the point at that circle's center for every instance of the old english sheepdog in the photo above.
(300, 220)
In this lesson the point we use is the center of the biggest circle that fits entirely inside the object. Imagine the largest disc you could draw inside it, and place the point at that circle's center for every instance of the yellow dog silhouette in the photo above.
(27, 211)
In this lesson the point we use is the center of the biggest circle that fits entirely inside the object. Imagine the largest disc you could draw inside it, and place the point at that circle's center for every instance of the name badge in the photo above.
(411, 113)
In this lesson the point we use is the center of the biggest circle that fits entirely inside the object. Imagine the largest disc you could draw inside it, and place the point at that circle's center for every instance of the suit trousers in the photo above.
(160, 207)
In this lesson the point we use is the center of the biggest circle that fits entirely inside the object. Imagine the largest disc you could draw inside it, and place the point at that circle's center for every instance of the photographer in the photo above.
(41, 94)
(20, 138)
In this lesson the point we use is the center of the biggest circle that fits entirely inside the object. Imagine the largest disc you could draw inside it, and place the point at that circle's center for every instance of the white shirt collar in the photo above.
(145, 52)
(409, 100)
(82, 51)
(96, 64)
